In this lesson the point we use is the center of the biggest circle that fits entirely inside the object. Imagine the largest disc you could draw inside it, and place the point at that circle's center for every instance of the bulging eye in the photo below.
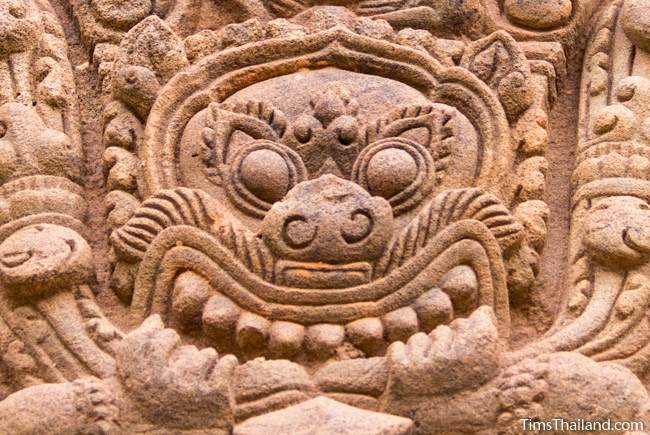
(390, 171)
(397, 169)
(266, 174)
(262, 173)
(347, 129)
(304, 127)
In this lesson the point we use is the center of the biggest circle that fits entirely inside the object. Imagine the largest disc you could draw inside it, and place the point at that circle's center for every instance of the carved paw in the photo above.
(451, 358)
(550, 386)
(521, 389)
(50, 151)
(173, 385)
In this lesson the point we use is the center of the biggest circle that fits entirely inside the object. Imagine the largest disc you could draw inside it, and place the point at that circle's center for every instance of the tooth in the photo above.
(367, 334)
(433, 308)
(252, 332)
(461, 284)
(285, 339)
(401, 324)
(323, 339)
(190, 293)
(220, 316)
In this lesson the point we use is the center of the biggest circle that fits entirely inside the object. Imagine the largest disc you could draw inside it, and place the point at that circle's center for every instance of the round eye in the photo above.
(347, 129)
(390, 171)
(303, 128)
(262, 173)
(397, 169)
(266, 174)
(3, 129)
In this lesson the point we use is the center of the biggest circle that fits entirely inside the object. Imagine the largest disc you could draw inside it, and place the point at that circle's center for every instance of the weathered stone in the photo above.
(323, 416)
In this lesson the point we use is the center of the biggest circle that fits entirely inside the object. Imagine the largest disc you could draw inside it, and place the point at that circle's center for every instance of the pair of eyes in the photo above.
(397, 169)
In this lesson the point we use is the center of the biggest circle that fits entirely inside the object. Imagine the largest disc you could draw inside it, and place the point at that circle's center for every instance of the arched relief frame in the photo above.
(217, 77)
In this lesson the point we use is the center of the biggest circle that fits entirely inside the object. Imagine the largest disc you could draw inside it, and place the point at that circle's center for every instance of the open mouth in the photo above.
(319, 310)
(253, 295)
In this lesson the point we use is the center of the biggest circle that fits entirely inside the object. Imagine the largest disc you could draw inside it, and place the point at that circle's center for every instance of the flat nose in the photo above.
(328, 219)
(299, 231)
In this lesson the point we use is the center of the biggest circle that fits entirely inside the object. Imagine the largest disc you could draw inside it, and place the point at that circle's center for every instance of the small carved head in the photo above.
(617, 231)
(44, 257)
(327, 139)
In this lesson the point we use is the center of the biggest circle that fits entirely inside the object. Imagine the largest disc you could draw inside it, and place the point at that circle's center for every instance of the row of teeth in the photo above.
(229, 328)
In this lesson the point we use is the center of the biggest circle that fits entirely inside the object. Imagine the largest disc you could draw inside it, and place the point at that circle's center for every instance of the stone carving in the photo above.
(328, 217)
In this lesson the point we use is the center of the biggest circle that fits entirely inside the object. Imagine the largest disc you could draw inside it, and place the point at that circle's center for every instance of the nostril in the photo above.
(297, 232)
(358, 227)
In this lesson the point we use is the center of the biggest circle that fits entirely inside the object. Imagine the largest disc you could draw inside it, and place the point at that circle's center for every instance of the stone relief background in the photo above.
(301, 216)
